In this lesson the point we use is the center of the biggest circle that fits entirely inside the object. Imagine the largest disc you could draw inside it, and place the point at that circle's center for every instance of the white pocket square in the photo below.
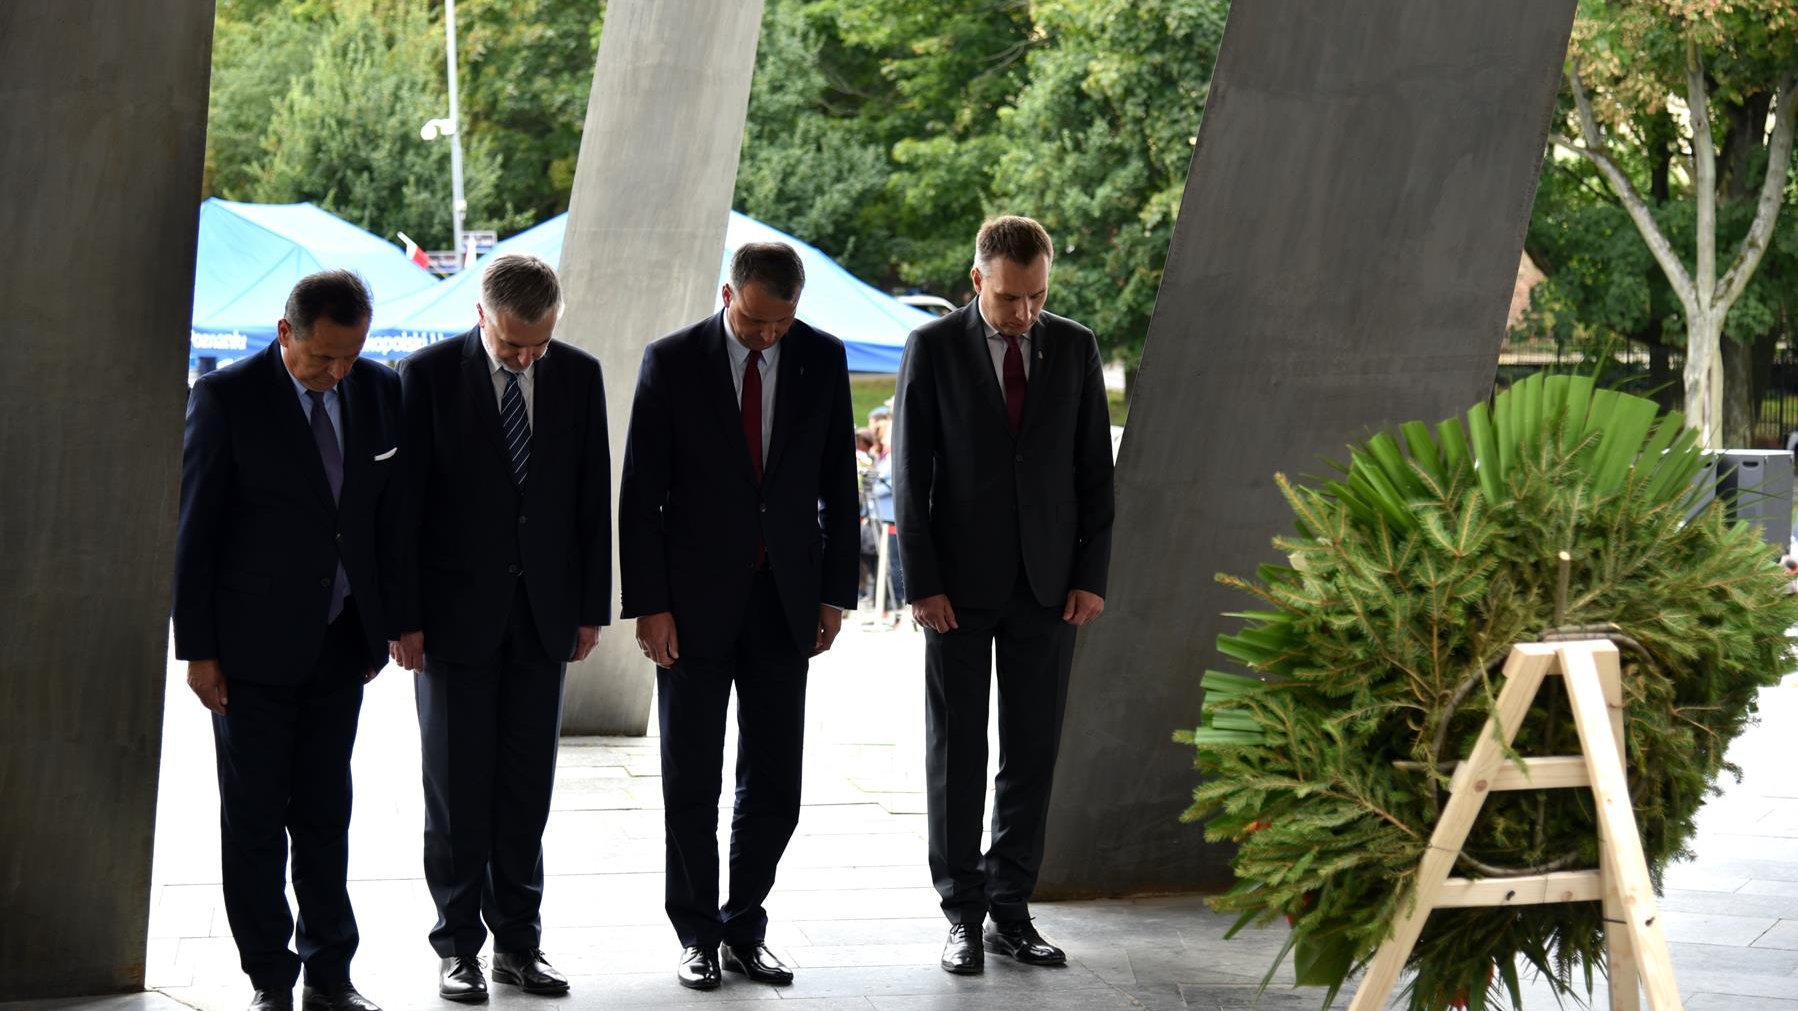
(382, 456)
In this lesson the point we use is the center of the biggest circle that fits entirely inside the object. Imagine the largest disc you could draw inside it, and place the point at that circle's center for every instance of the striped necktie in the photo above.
(515, 427)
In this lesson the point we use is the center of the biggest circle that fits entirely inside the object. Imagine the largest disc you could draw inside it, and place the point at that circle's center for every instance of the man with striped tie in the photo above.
(510, 578)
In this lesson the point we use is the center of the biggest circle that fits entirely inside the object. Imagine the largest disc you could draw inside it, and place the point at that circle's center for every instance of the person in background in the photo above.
(290, 504)
(510, 580)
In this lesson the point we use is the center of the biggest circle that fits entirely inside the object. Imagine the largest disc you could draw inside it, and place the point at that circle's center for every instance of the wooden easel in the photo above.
(1636, 949)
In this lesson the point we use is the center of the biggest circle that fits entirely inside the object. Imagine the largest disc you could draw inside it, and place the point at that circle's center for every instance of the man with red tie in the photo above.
(1003, 494)
(738, 546)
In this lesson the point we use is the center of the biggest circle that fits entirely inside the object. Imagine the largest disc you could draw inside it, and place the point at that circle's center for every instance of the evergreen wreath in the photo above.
(1379, 651)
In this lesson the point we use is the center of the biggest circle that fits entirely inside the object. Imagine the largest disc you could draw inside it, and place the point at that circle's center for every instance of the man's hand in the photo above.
(658, 639)
(584, 641)
(935, 613)
(830, 622)
(208, 683)
(408, 651)
(1082, 607)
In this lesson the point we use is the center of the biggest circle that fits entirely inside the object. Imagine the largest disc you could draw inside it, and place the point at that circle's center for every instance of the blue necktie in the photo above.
(515, 427)
(325, 436)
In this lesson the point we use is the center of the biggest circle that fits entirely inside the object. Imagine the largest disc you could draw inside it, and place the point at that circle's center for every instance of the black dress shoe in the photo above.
(337, 998)
(461, 980)
(1021, 941)
(756, 962)
(529, 971)
(699, 969)
(272, 1000)
(961, 952)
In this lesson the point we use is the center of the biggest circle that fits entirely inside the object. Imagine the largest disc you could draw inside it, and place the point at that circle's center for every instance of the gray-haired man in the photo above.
(511, 578)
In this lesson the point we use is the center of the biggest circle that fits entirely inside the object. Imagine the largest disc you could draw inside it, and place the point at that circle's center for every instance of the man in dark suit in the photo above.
(509, 475)
(1004, 502)
(288, 501)
(738, 546)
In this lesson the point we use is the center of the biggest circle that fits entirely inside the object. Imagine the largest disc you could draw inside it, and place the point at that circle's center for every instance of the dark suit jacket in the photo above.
(476, 535)
(971, 498)
(259, 538)
(689, 508)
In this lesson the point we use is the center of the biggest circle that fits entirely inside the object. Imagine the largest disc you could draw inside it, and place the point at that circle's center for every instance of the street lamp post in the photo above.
(458, 205)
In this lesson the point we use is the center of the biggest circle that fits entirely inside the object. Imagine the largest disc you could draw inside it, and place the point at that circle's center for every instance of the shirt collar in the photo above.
(494, 364)
(740, 354)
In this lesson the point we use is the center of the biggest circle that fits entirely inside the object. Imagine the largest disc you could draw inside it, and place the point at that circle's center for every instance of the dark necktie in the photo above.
(1015, 383)
(325, 436)
(515, 428)
(752, 431)
(752, 409)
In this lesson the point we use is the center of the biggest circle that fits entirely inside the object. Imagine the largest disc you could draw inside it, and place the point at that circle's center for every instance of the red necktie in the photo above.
(752, 432)
(1015, 382)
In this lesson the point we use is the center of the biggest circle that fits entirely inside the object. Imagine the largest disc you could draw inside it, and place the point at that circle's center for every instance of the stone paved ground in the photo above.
(854, 911)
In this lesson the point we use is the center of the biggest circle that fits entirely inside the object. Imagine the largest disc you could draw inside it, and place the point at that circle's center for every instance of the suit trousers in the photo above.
(284, 774)
(693, 697)
(1035, 653)
(489, 732)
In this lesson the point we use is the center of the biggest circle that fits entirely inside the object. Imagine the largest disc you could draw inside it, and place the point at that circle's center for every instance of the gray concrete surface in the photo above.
(1343, 261)
(103, 111)
(652, 192)
(853, 909)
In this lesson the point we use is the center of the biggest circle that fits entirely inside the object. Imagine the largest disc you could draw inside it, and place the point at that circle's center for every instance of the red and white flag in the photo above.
(413, 252)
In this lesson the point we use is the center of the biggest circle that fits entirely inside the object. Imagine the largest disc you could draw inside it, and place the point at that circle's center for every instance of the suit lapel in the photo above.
(720, 388)
(477, 381)
(980, 360)
(789, 378)
(295, 428)
(1037, 390)
(349, 417)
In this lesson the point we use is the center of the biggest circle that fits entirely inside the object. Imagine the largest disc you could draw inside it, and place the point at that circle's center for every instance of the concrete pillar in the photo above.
(646, 224)
(103, 107)
(1343, 261)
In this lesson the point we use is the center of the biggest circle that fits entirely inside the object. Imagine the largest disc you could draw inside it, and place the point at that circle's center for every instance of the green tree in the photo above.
(1099, 144)
(1727, 74)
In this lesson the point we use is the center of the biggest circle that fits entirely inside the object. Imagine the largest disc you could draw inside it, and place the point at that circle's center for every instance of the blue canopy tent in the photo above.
(872, 324)
(250, 255)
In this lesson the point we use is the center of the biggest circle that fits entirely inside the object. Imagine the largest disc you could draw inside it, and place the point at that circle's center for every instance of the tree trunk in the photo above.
(1704, 380)
(1661, 386)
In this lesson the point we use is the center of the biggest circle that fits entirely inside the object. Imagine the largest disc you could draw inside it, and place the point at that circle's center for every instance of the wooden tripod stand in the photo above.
(1637, 951)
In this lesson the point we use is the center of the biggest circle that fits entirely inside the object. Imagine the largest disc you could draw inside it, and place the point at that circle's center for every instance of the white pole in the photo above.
(459, 205)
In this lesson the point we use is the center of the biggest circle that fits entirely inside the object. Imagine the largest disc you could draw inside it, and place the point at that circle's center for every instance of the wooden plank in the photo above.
(1524, 670)
(1617, 821)
(1551, 773)
(1620, 954)
(1528, 890)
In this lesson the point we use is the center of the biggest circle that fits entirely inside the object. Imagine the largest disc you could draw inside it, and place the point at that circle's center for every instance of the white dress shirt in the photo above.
(527, 383)
(995, 345)
(739, 357)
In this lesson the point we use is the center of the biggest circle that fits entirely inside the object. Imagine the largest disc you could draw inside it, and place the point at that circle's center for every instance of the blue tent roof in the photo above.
(872, 324)
(250, 255)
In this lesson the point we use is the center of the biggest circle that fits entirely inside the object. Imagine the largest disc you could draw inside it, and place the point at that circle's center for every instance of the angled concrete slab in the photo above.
(103, 107)
(1344, 258)
(652, 191)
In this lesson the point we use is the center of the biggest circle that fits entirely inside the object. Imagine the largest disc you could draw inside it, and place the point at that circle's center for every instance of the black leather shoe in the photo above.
(961, 952)
(1021, 941)
(272, 1000)
(529, 971)
(339, 998)
(698, 969)
(756, 962)
(462, 981)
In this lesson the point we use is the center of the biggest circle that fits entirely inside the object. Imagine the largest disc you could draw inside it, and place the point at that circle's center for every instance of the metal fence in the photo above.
(1658, 375)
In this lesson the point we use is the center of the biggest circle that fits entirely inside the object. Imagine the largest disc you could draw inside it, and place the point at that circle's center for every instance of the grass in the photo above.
(865, 391)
